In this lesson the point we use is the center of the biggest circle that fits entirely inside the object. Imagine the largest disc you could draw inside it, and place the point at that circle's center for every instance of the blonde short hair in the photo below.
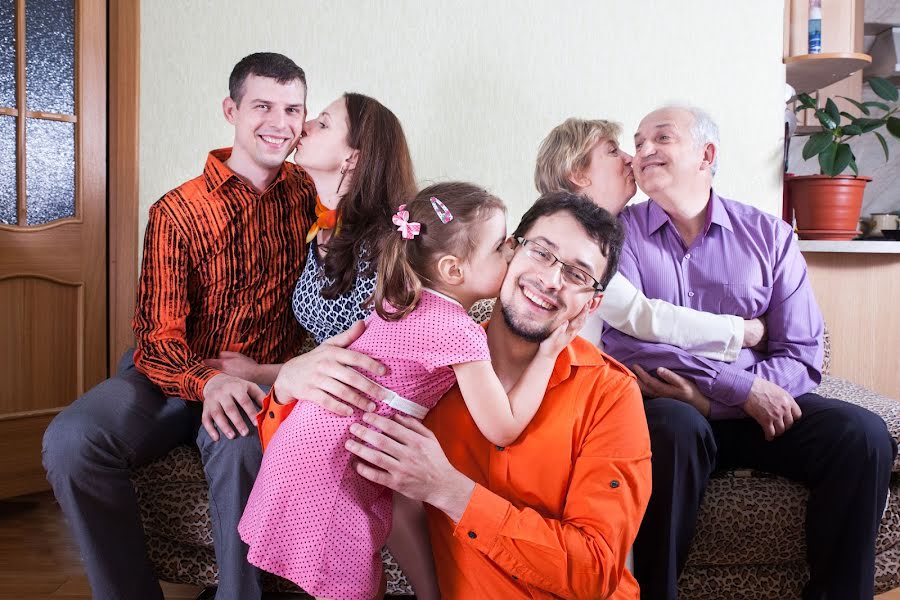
(567, 150)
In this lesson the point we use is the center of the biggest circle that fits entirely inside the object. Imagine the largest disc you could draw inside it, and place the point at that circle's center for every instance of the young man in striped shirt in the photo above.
(221, 255)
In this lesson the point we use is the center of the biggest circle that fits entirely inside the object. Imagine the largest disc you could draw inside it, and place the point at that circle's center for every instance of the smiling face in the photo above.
(535, 299)
(267, 123)
(324, 148)
(607, 179)
(667, 158)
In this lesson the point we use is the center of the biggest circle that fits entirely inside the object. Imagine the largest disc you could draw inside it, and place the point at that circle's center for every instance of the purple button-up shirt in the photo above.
(745, 263)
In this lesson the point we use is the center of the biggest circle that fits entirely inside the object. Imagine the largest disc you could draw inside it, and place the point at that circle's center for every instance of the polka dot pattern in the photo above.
(311, 518)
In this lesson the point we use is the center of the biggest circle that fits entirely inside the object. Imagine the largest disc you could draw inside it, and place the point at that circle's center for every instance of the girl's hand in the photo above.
(564, 334)
(234, 364)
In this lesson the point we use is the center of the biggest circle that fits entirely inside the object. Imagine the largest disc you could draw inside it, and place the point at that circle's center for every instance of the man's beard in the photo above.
(518, 328)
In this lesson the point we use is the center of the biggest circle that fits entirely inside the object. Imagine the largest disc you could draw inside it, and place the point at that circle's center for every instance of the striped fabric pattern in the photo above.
(220, 263)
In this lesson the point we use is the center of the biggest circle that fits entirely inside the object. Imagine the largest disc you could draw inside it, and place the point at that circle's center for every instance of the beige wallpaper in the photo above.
(476, 84)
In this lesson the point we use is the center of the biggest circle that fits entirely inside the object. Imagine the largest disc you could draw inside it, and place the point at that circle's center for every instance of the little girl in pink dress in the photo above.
(310, 517)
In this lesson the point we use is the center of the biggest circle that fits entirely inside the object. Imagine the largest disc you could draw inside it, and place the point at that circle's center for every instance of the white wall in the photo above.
(476, 84)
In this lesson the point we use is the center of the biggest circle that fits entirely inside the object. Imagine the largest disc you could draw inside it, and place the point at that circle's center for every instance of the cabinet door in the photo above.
(52, 221)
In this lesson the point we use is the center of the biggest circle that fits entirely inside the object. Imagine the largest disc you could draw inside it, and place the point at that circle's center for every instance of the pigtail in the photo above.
(397, 287)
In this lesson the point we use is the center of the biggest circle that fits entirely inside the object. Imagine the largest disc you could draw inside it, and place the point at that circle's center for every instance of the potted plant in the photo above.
(827, 206)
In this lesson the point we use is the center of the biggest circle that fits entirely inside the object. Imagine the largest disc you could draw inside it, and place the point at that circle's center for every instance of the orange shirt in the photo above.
(220, 264)
(555, 513)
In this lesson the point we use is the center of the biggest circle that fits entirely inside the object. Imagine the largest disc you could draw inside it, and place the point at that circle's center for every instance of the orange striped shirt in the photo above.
(220, 263)
(554, 514)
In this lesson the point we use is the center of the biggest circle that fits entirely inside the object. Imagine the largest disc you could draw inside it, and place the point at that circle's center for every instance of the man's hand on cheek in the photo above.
(406, 457)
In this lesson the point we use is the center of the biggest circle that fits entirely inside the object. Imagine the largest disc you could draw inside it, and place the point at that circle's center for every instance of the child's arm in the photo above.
(501, 418)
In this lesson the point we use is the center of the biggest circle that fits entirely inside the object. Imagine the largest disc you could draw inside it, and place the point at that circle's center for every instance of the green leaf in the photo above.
(893, 125)
(806, 101)
(884, 89)
(884, 146)
(880, 105)
(868, 125)
(825, 119)
(832, 110)
(862, 107)
(816, 143)
(826, 159)
(849, 116)
(853, 166)
(842, 159)
(852, 129)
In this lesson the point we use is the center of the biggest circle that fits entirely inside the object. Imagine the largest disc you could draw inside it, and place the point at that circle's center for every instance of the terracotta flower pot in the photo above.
(827, 208)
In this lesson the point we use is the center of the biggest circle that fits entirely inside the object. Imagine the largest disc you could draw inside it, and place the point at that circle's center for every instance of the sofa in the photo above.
(749, 542)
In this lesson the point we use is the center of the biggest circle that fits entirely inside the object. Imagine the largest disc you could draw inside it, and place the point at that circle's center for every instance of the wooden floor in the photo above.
(39, 559)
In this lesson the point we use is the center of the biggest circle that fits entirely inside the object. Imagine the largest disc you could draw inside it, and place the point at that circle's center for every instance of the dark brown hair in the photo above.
(382, 180)
(263, 64)
(405, 265)
(603, 228)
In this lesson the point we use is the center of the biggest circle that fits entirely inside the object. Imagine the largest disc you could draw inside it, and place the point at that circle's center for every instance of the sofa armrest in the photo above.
(886, 408)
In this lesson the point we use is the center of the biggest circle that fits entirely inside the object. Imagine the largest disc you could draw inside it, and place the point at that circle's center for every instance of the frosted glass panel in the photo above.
(7, 170)
(49, 170)
(8, 53)
(50, 55)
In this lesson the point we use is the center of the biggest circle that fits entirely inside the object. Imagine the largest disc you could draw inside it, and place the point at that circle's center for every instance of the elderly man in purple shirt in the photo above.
(691, 247)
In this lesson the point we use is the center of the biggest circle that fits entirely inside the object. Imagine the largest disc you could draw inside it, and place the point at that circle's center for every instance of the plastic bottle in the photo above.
(815, 26)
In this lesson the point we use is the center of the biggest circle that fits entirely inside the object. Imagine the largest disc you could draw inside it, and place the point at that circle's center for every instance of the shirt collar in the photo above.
(579, 353)
(217, 173)
(715, 213)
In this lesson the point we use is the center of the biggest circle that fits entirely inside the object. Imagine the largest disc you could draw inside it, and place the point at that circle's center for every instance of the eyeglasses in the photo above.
(573, 275)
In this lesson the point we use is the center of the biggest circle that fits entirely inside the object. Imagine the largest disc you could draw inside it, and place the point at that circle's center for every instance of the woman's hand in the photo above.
(327, 377)
(234, 364)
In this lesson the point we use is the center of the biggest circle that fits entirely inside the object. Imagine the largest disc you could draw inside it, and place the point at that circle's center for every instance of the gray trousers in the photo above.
(90, 450)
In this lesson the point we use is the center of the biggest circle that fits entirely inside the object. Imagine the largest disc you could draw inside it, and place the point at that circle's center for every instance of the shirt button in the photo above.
(500, 448)
(271, 414)
(691, 294)
(687, 256)
(614, 483)
(473, 535)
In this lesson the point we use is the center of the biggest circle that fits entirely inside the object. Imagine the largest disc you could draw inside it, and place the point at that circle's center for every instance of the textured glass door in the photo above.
(52, 221)
(37, 111)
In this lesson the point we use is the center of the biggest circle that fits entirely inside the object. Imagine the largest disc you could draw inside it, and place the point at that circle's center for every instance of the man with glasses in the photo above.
(555, 513)
(689, 246)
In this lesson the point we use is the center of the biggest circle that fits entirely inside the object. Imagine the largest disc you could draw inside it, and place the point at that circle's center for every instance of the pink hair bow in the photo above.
(401, 220)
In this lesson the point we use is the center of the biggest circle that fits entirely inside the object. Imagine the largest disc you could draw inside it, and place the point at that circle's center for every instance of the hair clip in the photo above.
(441, 210)
(401, 220)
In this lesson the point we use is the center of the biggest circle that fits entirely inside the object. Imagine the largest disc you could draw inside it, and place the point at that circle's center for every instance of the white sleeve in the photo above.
(627, 309)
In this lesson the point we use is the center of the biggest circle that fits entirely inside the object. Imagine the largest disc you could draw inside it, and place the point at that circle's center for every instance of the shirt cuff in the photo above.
(195, 379)
(732, 385)
(480, 524)
(720, 412)
(734, 345)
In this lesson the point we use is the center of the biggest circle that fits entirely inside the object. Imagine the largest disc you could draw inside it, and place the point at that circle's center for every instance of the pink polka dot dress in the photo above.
(310, 517)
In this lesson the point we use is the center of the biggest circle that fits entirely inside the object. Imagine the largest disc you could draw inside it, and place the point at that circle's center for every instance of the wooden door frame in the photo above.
(123, 182)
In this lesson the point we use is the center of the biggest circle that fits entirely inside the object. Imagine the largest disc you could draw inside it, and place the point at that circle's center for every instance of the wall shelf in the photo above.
(810, 72)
